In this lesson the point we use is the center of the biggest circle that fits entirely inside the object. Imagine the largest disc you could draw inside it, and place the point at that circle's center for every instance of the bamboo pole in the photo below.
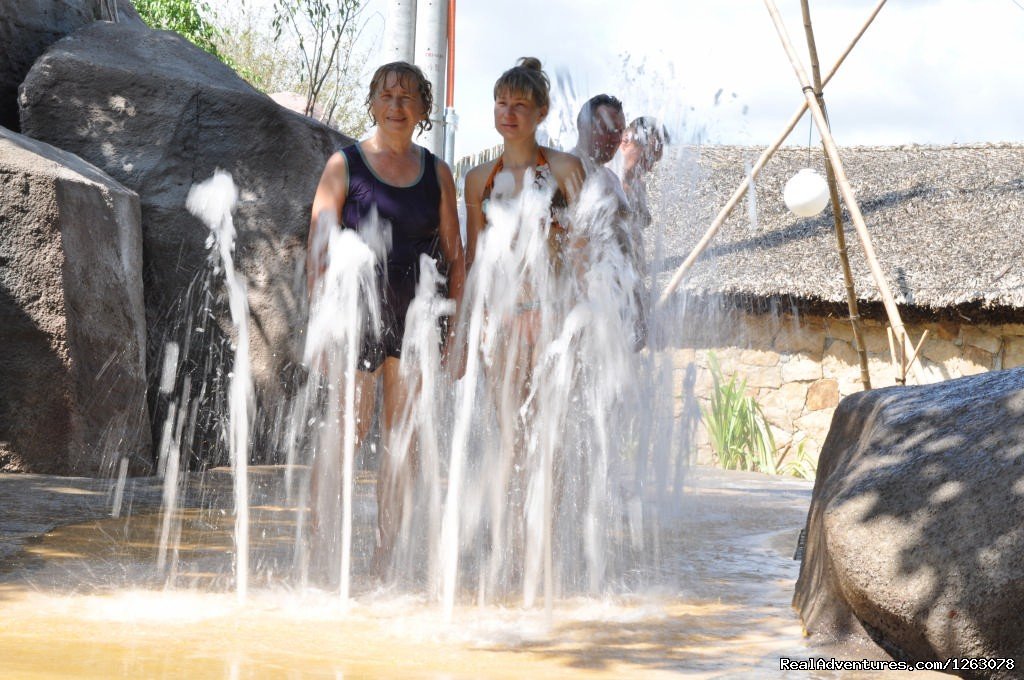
(844, 184)
(837, 213)
(737, 195)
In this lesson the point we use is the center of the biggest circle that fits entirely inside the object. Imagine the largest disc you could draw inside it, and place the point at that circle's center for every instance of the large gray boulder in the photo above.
(916, 527)
(28, 27)
(158, 115)
(72, 325)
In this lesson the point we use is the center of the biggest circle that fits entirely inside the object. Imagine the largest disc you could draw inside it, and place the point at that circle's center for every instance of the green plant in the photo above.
(803, 464)
(739, 432)
(184, 17)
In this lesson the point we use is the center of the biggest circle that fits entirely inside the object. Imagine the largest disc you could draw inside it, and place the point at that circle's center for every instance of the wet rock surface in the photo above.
(72, 324)
(35, 504)
(159, 115)
(915, 532)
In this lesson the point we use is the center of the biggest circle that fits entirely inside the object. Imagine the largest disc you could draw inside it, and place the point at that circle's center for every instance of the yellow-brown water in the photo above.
(83, 601)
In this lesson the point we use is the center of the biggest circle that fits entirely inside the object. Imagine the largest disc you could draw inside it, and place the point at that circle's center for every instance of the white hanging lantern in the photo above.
(806, 193)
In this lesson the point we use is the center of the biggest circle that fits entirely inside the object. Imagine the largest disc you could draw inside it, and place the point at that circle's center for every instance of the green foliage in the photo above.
(289, 46)
(184, 17)
(802, 465)
(737, 427)
(325, 33)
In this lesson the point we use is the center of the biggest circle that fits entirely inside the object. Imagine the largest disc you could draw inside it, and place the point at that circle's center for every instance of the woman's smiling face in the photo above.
(516, 116)
(397, 105)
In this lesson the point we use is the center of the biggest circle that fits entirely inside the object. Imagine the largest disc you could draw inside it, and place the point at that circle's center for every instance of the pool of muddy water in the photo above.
(83, 600)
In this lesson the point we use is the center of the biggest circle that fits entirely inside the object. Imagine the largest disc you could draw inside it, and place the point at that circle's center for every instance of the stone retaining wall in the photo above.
(799, 366)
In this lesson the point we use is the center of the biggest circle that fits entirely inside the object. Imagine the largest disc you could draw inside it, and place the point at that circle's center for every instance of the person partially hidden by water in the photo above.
(642, 147)
(388, 177)
(512, 187)
(521, 101)
(599, 127)
(601, 124)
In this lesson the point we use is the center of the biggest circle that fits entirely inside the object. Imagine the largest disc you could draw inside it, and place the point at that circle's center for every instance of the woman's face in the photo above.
(637, 154)
(516, 116)
(397, 106)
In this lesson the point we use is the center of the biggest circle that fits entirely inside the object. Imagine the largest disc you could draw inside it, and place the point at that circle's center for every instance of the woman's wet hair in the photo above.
(411, 78)
(526, 79)
(649, 134)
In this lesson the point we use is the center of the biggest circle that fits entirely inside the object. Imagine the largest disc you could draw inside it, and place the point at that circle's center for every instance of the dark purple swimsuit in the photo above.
(414, 213)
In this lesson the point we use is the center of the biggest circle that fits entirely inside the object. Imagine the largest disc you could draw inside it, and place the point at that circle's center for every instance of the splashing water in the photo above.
(212, 201)
(344, 304)
(540, 473)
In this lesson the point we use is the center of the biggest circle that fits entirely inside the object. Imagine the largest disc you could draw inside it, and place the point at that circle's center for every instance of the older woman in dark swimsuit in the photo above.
(414, 191)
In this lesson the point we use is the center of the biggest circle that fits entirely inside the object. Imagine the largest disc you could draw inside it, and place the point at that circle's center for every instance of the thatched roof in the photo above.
(947, 224)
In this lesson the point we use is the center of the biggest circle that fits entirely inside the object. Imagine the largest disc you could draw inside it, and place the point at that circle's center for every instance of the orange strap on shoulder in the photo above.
(499, 165)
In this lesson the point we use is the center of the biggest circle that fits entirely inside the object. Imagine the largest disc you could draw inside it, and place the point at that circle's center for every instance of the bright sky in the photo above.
(926, 71)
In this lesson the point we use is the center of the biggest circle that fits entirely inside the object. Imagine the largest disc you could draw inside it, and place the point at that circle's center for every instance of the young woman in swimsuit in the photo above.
(521, 99)
(414, 191)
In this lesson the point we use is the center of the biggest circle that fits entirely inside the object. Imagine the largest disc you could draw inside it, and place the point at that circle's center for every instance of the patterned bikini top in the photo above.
(542, 178)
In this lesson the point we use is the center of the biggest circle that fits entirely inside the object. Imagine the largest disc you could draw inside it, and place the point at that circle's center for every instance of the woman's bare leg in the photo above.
(397, 466)
(326, 476)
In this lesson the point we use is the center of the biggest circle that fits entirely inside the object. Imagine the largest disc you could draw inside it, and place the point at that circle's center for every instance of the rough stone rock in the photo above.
(801, 367)
(975, 337)
(915, 535)
(940, 351)
(1013, 352)
(72, 325)
(28, 27)
(842, 362)
(759, 357)
(800, 337)
(815, 423)
(158, 115)
(822, 394)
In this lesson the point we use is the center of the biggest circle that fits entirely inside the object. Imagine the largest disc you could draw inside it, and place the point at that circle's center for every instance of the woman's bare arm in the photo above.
(451, 237)
(330, 198)
(474, 191)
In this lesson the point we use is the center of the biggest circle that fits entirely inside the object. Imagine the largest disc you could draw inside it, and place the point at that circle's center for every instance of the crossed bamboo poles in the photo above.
(904, 353)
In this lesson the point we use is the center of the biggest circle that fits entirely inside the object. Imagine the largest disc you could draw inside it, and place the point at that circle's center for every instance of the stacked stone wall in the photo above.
(798, 367)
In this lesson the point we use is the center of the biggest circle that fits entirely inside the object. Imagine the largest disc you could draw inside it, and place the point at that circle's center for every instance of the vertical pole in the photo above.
(431, 36)
(451, 121)
(841, 179)
(837, 214)
(400, 31)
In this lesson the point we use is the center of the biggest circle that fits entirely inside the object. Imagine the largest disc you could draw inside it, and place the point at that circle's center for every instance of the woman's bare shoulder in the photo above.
(482, 170)
(562, 162)
(476, 177)
(337, 163)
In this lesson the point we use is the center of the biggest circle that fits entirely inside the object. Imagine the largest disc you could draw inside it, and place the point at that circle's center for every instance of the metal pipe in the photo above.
(451, 120)
(451, 125)
(431, 35)
(400, 31)
(449, 92)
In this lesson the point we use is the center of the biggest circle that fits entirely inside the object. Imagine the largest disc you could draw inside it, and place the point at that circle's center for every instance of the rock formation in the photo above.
(915, 535)
(72, 324)
(158, 115)
(28, 27)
